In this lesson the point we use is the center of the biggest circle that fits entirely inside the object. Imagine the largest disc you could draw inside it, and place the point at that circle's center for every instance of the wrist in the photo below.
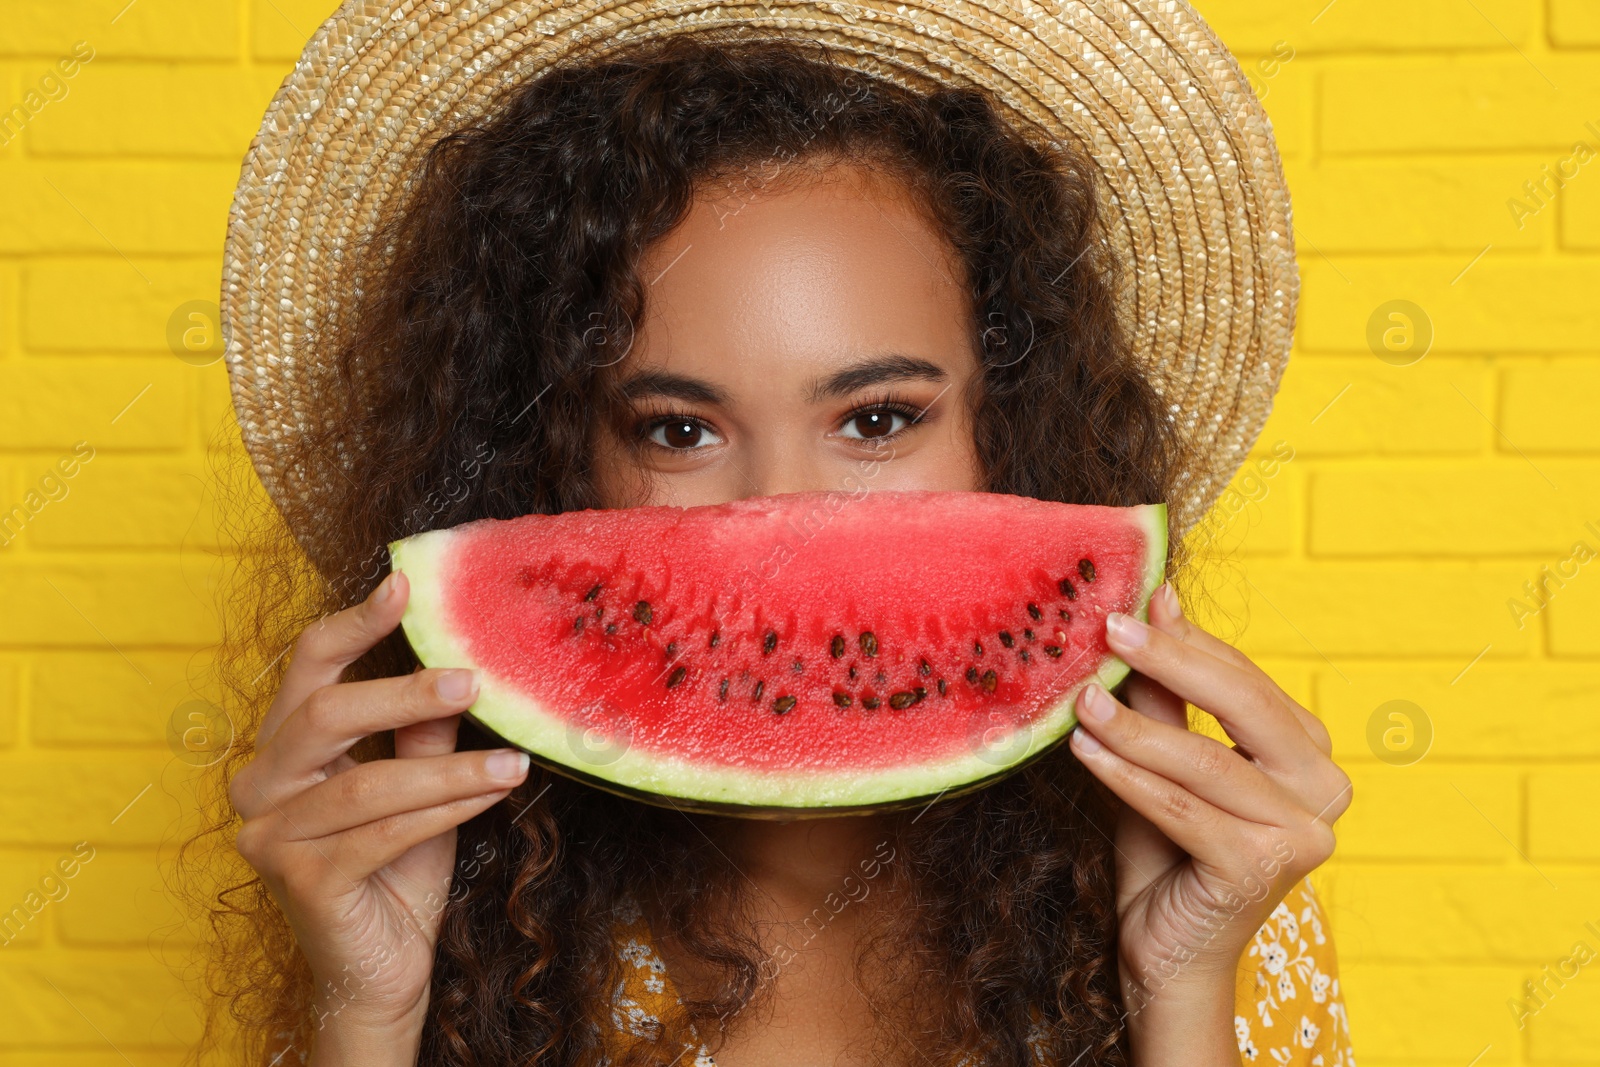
(346, 1040)
(1190, 1023)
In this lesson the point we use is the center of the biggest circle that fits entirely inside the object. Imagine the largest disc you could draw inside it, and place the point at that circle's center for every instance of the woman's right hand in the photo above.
(359, 855)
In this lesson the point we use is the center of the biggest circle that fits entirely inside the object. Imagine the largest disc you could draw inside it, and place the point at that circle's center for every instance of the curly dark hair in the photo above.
(486, 297)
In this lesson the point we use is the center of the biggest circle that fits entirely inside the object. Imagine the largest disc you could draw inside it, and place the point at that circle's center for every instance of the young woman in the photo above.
(693, 271)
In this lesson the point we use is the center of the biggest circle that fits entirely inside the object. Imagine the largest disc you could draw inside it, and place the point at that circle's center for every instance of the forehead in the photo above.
(791, 274)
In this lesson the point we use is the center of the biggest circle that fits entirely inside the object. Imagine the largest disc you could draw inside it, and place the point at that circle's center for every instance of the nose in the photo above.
(791, 475)
(786, 466)
(777, 460)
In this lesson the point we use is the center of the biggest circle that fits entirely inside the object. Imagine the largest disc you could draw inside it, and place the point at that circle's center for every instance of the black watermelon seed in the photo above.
(924, 669)
(869, 644)
(902, 700)
(591, 594)
(577, 624)
(760, 685)
(1028, 634)
(1065, 585)
(611, 627)
(599, 613)
(677, 676)
(972, 674)
(836, 646)
(1034, 612)
(798, 667)
(672, 649)
(769, 642)
(852, 673)
(783, 704)
(870, 702)
(1086, 570)
(880, 677)
(1053, 651)
(943, 685)
(1007, 640)
(722, 690)
(1066, 616)
(716, 638)
(919, 692)
(1023, 655)
(977, 649)
(641, 612)
(989, 681)
(841, 699)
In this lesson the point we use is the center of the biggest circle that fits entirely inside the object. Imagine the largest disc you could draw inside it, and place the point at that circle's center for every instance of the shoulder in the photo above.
(1289, 1008)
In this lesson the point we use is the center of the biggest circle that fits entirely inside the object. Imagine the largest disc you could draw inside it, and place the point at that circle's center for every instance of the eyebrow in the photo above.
(874, 371)
(892, 367)
(676, 386)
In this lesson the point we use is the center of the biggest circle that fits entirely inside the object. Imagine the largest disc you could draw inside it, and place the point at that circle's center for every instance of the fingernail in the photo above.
(1087, 743)
(1169, 599)
(1096, 705)
(1128, 630)
(385, 589)
(456, 685)
(506, 764)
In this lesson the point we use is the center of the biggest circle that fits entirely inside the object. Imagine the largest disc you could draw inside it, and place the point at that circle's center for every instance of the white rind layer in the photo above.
(524, 722)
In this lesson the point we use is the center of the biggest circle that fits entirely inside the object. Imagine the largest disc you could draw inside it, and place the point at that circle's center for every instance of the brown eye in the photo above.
(681, 435)
(875, 424)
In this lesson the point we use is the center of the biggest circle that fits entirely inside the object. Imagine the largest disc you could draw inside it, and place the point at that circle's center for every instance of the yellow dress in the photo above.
(1288, 1009)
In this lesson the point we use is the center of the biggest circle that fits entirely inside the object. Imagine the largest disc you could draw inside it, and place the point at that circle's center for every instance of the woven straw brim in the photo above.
(1197, 209)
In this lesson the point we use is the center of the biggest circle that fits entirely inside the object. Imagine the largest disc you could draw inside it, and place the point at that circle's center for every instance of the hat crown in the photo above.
(1195, 202)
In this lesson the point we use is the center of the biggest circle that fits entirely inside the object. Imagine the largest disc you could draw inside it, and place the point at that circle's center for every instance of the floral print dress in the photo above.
(1288, 1009)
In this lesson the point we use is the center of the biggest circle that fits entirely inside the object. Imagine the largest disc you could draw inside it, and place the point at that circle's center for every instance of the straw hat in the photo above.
(1193, 188)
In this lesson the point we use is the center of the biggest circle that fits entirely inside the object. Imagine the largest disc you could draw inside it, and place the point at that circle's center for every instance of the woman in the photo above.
(700, 269)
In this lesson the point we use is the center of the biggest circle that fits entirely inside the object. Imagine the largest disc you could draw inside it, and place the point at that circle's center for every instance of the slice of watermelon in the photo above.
(804, 653)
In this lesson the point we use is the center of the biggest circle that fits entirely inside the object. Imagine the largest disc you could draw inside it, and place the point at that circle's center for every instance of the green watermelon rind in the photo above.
(664, 780)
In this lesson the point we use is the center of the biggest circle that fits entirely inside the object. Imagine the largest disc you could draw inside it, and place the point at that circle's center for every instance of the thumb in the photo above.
(1149, 697)
(433, 737)
(1146, 695)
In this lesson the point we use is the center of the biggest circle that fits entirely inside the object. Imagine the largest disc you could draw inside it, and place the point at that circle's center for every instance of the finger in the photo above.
(1166, 614)
(1194, 825)
(1149, 697)
(1315, 729)
(384, 788)
(331, 644)
(1210, 770)
(1164, 607)
(1338, 793)
(335, 717)
(365, 849)
(434, 737)
(1248, 704)
(1144, 853)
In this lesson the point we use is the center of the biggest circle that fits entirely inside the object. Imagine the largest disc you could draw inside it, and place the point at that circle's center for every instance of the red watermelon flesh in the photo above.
(810, 652)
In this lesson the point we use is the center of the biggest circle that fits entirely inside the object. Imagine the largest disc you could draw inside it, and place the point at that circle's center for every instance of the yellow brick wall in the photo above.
(1376, 565)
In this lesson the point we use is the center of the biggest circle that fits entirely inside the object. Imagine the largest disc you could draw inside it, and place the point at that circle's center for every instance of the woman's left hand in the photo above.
(1210, 837)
